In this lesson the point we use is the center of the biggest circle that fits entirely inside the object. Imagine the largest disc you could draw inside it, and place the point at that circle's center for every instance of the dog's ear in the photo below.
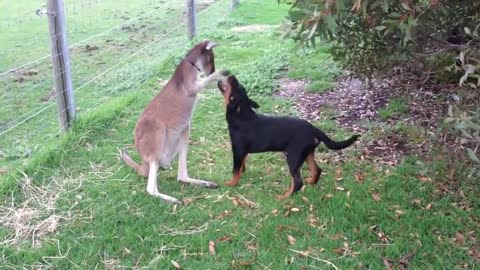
(253, 104)
(232, 81)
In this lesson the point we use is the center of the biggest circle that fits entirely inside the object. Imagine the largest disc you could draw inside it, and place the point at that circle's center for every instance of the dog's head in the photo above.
(201, 57)
(235, 95)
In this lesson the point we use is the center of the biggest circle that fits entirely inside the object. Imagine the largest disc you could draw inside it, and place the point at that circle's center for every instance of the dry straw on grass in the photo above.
(33, 218)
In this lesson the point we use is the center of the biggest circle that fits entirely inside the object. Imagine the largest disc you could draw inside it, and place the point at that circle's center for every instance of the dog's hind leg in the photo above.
(295, 161)
(152, 188)
(243, 163)
(182, 175)
(314, 169)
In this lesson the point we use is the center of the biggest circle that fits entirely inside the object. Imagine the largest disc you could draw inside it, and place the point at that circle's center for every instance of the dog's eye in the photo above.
(231, 97)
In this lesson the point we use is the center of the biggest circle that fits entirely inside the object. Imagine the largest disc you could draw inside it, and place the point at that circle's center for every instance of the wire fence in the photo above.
(115, 47)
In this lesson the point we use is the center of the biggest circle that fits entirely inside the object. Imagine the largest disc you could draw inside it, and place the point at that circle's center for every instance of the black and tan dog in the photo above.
(251, 132)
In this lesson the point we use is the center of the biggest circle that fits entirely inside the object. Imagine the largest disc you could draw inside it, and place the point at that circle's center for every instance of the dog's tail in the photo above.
(333, 144)
(128, 160)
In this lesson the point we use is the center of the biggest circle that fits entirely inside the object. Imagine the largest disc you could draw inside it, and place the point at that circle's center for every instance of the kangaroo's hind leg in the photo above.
(182, 175)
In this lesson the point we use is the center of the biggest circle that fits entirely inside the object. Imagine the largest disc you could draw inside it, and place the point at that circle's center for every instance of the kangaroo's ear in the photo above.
(253, 104)
(210, 45)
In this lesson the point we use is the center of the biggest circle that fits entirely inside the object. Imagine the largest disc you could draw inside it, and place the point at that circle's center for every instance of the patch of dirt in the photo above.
(350, 98)
(356, 105)
(49, 96)
(254, 28)
(22, 74)
(89, 48)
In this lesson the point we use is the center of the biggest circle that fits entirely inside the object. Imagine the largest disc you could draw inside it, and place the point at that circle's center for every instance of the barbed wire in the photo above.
(80, 42)
(107, 71)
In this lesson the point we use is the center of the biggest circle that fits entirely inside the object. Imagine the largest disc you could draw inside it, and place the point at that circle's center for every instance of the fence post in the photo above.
(191, 19)
(234, 4)
(61, 63)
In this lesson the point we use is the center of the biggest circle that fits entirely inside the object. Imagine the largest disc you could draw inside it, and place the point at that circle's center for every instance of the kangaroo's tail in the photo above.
(333, 144)
(128, 160)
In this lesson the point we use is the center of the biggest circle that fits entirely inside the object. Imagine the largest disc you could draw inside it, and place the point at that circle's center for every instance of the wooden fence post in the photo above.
(191, 19)
(61, 63)
(234, 4)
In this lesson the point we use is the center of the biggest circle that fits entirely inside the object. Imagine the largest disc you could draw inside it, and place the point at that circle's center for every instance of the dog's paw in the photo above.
(230, 183)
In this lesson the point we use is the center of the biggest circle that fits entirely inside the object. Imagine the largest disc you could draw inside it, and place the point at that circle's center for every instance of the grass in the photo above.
(316, 66)
(395, 107)
(103, 67)
(359, 214)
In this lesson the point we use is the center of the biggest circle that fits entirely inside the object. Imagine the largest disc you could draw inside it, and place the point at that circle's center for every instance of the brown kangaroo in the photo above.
(163, 129)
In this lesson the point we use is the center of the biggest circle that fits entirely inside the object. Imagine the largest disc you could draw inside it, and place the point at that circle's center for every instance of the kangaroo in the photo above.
(163, 129)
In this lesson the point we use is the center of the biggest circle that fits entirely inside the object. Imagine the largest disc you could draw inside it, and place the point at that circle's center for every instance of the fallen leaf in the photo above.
(3, 171)
(424, 179)
(474, 252)
(291, 239)
(376, 197)
(274, 212)
(387, 264)
(305, 199)
(251, 245)
(328, 196)
(429, 206)
(451, 174)
(338, 174)
(243, 202)
(176, 264)
(459, 238)
(246, 263)
(211, 247)
(224, 215)
(340, 188)
(399, 213)
(224, 239)
(268, 170)
(306, 253)
(359, 177)
(294, 209)
(187, 201)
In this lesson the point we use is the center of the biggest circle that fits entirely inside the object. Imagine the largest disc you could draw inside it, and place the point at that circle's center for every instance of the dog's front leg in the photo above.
(239, 159)
(200, 84)
(182, 175)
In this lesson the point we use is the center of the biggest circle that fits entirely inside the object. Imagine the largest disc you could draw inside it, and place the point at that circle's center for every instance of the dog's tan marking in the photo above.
(315, 171)
(287, 193)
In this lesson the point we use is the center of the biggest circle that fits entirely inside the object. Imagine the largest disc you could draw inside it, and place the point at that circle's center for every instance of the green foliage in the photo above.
(465, 125)
(259, 76)
(316, 66)
(370, 36)
(394, 108)
(318, 86)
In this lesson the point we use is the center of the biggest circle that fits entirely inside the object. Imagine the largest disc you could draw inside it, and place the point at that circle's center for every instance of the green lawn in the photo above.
(81, 207)
(106, 62)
